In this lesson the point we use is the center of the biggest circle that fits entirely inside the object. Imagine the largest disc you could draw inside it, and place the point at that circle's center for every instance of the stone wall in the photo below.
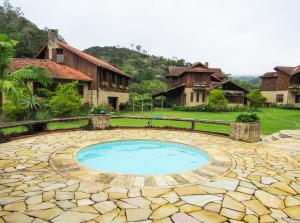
(288, 97)
(100, 122)
(246, 132)
(190, 103)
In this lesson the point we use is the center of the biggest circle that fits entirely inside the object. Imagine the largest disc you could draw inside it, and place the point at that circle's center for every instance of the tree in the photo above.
(14, 85)
(66, 101)
(217, 99)
(257, 100)
(139, 48)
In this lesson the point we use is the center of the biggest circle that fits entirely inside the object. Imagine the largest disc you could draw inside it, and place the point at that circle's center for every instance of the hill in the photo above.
(148, 71)
(13, 23)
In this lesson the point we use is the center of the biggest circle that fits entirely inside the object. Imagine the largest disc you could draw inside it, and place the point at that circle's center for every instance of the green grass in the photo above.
(272, 119)
(67, 125)
(14, 130)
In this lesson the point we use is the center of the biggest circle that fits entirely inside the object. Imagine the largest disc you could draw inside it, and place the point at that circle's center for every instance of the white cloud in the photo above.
(240, 36)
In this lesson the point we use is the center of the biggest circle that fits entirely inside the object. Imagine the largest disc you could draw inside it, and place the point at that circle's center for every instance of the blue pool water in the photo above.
(142, 157)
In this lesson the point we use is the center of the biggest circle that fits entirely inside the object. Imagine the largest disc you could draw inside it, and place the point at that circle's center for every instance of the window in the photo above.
(198, 96)
(279, 98)
(80, 89)
(59, 55)
(36, 87)
(203, 97)
(192, 97)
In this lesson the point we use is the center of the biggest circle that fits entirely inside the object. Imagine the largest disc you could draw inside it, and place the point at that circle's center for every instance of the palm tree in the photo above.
(14, 85)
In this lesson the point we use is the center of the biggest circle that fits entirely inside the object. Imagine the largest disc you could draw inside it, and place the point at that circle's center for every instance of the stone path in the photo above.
(263, 185)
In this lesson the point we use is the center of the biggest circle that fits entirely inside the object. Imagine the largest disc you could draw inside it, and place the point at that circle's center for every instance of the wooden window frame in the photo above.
(192, 96)
(279, 98)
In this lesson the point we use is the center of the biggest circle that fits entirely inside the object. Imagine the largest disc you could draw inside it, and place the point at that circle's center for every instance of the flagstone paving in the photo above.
(40, 181)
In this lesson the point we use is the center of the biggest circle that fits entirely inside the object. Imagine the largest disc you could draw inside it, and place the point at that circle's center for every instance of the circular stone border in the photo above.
(64, 162)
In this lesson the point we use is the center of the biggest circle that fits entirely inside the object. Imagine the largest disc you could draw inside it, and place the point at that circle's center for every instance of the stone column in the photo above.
(245, 131)
(100, 122)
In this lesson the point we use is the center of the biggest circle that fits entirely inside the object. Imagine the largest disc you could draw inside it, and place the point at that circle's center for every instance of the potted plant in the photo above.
(246, 128)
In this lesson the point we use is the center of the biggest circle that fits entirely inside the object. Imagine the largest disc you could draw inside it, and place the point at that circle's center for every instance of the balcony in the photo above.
(294, 86)
(199, 86)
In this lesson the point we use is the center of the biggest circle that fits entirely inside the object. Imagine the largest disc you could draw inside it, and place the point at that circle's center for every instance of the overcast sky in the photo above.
(243, 37)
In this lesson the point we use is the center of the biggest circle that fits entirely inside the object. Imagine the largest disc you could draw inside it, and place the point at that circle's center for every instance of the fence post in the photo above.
(192, 125)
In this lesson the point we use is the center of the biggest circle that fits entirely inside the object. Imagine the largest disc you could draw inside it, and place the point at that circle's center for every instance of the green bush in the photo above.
(211, 108)
(14, 113)
(66, 101)
(247, 117)
(257, 100)
(217, 99)
(104, 108)
(287, 106)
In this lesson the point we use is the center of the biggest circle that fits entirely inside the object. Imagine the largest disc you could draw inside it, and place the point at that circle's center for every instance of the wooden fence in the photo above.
(36, 126)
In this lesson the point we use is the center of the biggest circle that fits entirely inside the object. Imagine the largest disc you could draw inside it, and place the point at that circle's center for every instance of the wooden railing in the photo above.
(162, 118)
(35, 126)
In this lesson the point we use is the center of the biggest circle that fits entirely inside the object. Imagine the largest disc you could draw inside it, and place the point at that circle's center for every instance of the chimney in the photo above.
(52, 43)
(206, 64)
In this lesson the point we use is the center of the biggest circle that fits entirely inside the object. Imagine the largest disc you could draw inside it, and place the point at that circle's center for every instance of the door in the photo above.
(112, 101)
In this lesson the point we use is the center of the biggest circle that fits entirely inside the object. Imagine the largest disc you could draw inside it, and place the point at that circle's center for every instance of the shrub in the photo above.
(211, 108)
(257, 100)
(66, 101)
(124, 106)
(217, 99)
(104, 108)
(287, 106)
(247, 117)
(14, 113)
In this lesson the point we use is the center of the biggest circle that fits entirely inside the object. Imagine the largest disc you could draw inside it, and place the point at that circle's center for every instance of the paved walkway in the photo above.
(263, 184)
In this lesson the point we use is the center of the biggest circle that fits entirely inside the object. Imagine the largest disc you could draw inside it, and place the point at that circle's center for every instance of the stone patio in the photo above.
(257, 182)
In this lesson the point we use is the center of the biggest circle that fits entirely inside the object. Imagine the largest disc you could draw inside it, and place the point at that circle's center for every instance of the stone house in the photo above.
(98, 81)
(282, 86)
(190, 86)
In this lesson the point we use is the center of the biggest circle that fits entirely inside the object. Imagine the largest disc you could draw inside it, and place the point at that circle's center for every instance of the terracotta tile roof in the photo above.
(57, 71)
(93, 60)
(269, 74)
(288, 70)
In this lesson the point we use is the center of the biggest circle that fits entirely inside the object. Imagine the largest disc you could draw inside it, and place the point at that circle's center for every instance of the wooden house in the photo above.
(282, 86)
(190, 86)
(98, 81)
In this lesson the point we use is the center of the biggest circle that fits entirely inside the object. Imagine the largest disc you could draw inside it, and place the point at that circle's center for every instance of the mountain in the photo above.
(139, 65)
(13, 23)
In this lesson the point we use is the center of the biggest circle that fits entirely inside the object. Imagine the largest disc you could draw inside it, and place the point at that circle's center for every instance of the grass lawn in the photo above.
(67, 125)
(272, 119)
(16, 130)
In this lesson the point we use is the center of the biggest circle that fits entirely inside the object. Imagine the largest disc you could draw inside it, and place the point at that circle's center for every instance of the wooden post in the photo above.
(192, 125)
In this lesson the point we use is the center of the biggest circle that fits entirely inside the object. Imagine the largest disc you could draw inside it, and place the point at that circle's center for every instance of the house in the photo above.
(98, 81)
(282, 86)
(190, 86)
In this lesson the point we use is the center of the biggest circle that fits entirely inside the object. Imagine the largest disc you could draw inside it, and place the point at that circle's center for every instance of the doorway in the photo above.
(113, 101)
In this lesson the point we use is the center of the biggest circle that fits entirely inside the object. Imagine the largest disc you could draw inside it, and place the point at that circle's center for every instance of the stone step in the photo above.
(295, 134)
(276, 136)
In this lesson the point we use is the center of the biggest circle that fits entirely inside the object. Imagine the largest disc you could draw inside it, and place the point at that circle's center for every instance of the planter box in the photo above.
(246, 132)
(100, 122)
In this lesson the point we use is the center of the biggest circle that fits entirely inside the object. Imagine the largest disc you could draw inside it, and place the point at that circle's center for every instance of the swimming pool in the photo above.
(142, 157)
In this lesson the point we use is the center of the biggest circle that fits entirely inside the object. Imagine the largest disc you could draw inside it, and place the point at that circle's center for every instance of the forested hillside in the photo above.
(148, 71)
(16, 26)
